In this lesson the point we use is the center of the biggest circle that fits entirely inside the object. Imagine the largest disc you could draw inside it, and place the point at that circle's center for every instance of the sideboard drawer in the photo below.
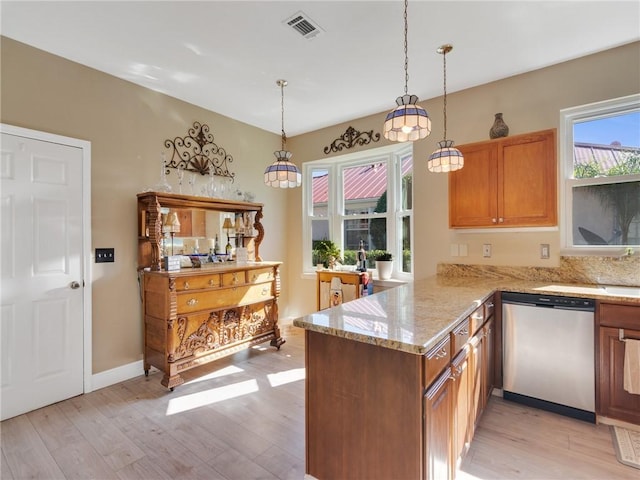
(260, 275)
(202, 300)
(436, 360)
(231, 279)
(198, 282)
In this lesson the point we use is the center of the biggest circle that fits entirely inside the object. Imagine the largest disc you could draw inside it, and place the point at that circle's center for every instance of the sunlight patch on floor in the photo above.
(213, 395)
(288, 376)
(231, 369)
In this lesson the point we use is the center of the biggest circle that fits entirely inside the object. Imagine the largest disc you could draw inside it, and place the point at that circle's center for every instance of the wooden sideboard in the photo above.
(193, 316)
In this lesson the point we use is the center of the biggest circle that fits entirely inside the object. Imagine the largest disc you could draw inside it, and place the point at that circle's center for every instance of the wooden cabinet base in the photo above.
(195, 317)
(363, 412)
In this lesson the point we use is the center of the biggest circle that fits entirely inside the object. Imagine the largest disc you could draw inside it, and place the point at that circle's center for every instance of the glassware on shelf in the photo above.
(180, 175)
(213, 184)
(163, 185)
(192, 183)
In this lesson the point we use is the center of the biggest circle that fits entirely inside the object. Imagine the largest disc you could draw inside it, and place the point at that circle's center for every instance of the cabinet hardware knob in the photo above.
(235, 278)
(490, 304)
(493, 220)
(254, 278)
(441, 354)
(463, 332)
(265, 291)
(192, 301)
(186, 285)
(501, 220)
(212, 283)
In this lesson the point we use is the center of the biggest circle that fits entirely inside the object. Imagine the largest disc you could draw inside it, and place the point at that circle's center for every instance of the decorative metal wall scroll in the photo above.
(196, 152)
(351, 138)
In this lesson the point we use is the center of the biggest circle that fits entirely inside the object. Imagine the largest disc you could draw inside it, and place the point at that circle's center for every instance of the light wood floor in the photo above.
(244, 420)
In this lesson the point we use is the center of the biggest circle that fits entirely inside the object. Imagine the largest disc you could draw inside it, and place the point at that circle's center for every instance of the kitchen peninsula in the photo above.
(397, 381)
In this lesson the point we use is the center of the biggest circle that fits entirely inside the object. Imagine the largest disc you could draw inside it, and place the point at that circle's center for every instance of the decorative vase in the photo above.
(384, 268)
(499, 128)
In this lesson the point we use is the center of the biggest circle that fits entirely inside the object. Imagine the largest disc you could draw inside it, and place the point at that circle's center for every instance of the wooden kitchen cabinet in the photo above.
(612, 400)
(462, 427)
(506, 182)
(438, 439)
(353, 425)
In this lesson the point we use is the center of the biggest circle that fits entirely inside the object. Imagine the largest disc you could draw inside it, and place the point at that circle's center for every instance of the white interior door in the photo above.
(42, 273)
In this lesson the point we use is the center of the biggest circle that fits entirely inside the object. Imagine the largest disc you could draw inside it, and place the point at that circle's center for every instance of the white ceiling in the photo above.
(226, 56)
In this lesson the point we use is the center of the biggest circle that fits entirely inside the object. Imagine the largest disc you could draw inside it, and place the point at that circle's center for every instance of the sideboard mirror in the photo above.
(200, 219)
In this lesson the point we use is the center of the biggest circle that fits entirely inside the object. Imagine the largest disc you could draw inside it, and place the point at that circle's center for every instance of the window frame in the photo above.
(335, 166)
(568, 117)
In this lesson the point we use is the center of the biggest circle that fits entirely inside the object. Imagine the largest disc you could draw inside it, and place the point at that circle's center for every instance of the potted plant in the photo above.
(326, 252)
(384, 265)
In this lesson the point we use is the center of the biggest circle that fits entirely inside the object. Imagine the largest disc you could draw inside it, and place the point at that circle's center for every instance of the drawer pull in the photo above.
(212, 283)
(265, 290)
(477, 317)
(186, 285)
(441, 354)
(254, 278)
(464, 331)
(490, 305)
(235, 278)
(192, 301)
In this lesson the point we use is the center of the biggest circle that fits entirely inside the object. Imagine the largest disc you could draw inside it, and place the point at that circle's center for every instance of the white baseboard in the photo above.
(117, 375)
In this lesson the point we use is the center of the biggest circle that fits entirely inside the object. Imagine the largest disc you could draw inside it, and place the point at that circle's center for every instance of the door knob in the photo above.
(74, 285)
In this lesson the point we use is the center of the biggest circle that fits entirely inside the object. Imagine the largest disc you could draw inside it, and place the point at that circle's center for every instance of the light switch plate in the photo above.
(105, 255)
(544, 251)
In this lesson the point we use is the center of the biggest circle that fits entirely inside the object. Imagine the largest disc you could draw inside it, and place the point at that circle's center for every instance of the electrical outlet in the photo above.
(486, 250)
(105, 255)
(544, 250)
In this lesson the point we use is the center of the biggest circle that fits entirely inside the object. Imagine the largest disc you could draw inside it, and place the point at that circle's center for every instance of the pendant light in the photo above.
(282, 173)
(447, 158)
(408, 121)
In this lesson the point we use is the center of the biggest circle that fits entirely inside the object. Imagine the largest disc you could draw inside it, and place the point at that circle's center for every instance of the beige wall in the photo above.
(529, 102)
(127, 125)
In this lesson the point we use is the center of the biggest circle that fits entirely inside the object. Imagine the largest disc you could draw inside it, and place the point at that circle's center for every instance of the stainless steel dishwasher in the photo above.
(548, 353)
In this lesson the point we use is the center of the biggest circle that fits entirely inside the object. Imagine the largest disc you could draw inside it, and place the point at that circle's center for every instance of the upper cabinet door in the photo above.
(472, 191)
(527, 190)
(508, 182)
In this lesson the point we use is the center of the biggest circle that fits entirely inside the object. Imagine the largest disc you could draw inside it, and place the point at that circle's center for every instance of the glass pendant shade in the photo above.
(447, 158)
(282, 173)
(407, 122)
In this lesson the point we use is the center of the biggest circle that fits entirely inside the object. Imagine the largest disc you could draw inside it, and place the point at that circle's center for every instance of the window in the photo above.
(601, 172)
(360, 197)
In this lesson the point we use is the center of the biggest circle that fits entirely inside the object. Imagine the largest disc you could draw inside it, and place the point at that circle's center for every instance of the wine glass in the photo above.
(180, 175)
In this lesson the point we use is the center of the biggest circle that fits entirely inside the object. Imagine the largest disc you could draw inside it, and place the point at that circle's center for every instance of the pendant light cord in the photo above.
(406, 54)
(282, 83)
(444, 62)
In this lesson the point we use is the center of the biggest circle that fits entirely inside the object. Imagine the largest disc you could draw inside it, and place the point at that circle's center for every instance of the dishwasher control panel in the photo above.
(554, 301)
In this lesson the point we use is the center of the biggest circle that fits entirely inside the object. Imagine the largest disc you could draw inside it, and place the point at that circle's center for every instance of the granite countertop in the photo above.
(415, 316)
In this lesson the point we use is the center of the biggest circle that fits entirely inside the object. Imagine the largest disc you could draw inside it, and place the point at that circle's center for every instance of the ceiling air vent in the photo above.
(302, 24)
